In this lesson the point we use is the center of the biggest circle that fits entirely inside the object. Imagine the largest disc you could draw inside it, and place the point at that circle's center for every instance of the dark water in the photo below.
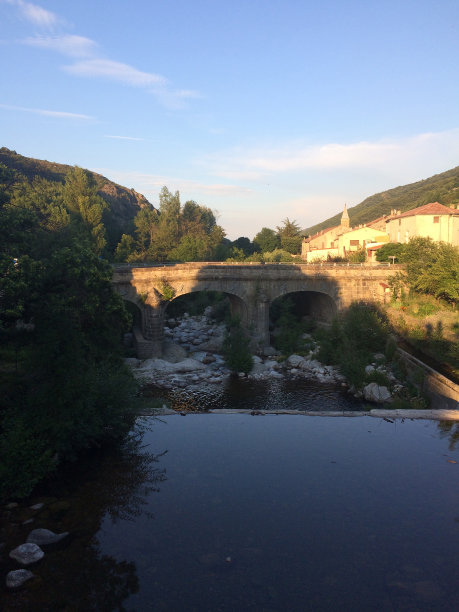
(271, 395)
(260, 513)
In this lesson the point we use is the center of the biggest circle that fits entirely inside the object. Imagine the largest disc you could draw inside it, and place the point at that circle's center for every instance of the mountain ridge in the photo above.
(123, 203)
(442, 187)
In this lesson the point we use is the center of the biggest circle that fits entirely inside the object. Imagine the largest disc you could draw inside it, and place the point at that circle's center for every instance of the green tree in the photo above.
(45, 198)
(236, 348)
(266, 240)
(125, 249)
(67, 388)
(245, 245)
(290, 238)
(146, 221)
(7, 180)
(432, 268)
(83, 202)
(390, 249)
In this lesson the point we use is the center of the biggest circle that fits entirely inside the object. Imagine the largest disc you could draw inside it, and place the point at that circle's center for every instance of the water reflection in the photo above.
(269, 513)
(450, 430)
(77, 574)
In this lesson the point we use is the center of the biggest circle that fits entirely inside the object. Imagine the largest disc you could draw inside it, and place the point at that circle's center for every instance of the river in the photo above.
(241, 512)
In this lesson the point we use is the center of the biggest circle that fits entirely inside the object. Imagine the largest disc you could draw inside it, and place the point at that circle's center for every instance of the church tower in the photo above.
(345, 218)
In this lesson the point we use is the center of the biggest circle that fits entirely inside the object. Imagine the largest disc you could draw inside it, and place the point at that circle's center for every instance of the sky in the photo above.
(258, 109)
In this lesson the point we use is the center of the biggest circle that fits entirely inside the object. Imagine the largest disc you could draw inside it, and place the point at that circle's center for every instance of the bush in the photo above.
(378, 377)
(359, 256)
(236, 348)
(391, 348)
(365, 327)
(351, 340)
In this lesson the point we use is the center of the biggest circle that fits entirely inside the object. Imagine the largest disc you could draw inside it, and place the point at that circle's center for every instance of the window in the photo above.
(354, 243)
(436, 219)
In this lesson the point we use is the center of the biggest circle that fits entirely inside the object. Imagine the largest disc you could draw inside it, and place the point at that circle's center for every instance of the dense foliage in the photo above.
(174, 233)
(353, 339)
(64, 387)
(236, 348)
(430, 267)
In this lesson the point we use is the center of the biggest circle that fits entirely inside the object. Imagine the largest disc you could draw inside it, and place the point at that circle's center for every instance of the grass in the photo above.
(431, 327)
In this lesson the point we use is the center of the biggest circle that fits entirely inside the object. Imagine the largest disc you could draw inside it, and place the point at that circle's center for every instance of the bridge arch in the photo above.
(238, 306)
(315, 304)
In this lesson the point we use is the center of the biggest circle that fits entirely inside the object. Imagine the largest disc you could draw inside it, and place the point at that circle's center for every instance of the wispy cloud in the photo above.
(115, 71)
(47, 113)
(67, 44)
(35, 14)
(122, 137)
(89, 61)
(382, 154)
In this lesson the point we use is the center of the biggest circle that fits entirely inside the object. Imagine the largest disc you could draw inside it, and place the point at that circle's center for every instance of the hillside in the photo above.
(123, 203)
(443, 188)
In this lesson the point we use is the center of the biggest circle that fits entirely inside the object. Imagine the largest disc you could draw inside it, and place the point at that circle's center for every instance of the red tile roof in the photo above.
(434, 208)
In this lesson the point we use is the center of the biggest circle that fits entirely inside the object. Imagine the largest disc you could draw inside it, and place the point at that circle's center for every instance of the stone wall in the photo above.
(251, 288)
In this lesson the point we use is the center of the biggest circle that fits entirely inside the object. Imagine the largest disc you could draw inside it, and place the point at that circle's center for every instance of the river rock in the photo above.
(38, 506)
(259, 370)
(376, 393)
(16, 578)
(42, 537)
(369, 369)
(27, 553)
(295, 361)
(173, 352)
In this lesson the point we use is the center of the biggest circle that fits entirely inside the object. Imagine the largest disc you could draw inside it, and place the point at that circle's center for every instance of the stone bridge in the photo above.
(323, 289)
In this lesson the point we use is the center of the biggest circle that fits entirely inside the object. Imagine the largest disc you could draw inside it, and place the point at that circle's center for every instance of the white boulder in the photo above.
(376, 393)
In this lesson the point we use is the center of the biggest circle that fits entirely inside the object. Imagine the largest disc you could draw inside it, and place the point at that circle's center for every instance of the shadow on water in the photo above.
(76, 574)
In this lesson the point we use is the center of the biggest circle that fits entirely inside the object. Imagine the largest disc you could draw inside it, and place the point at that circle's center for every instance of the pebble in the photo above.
(16, 578)
(43, 537)
(27, 553)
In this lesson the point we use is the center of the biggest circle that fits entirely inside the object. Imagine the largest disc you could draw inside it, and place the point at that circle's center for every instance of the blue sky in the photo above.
(261, 110)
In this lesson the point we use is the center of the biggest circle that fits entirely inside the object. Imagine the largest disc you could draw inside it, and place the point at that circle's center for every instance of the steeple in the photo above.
(345, 218)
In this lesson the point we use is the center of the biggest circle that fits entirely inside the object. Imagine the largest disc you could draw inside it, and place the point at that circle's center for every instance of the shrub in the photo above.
(378, 377)
(236, 348)
(359, 256)
(391, 348)
(365, 327)
(351, 340)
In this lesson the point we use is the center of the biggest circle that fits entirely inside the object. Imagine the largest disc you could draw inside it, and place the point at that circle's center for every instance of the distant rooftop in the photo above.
(434, 208)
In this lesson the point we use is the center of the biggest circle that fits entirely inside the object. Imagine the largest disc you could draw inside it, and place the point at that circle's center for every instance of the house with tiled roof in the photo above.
(441, 223)
(342, 239)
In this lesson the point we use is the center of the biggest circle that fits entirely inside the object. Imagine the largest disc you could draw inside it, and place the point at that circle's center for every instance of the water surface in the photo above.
(260, 513)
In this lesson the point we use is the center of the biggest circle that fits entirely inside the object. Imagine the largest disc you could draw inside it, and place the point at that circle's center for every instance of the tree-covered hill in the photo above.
(443, 188)
(123, 203)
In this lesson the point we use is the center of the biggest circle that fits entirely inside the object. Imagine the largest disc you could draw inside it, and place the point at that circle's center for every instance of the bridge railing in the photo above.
(200, 264)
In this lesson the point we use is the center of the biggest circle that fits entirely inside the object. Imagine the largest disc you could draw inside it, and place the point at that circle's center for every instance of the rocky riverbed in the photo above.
(192, 359)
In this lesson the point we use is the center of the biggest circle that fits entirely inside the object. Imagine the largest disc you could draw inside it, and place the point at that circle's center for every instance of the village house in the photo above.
(431, 221)
(342, 239)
